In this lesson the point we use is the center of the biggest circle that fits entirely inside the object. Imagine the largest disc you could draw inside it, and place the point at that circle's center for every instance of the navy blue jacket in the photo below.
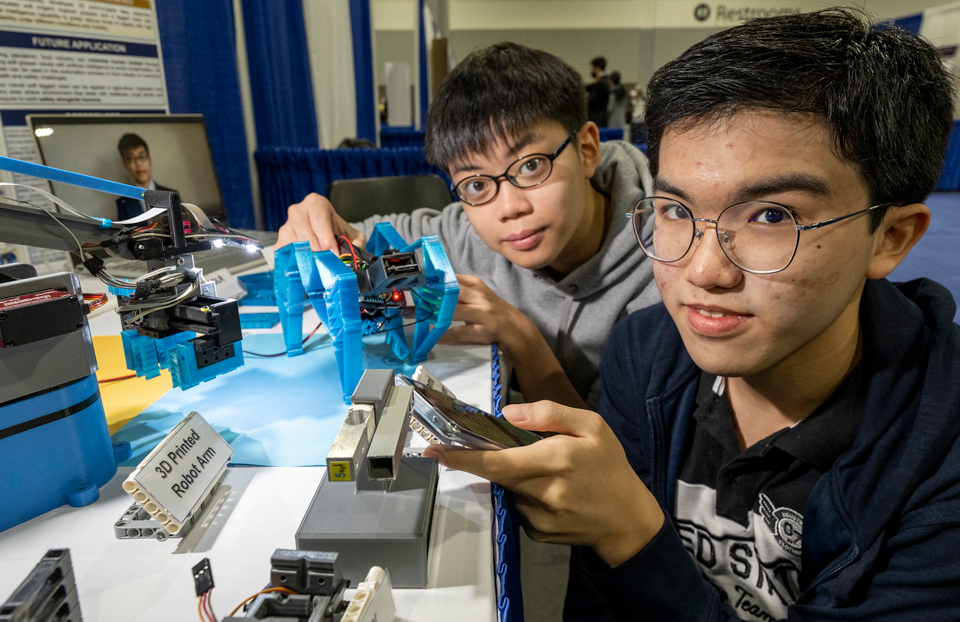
(881, 529)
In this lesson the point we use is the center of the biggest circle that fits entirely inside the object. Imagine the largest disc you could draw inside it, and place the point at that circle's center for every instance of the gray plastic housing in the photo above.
(317, 578)
(35, 367)
(383, 455)
(373, 389)
(376, 528)
(306, 572)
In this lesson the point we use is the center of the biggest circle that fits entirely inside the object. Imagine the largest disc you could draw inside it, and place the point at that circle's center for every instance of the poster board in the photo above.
(67, 56)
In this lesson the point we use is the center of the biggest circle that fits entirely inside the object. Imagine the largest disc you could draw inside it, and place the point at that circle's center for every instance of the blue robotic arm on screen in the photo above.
(376, 280)
(171, 317)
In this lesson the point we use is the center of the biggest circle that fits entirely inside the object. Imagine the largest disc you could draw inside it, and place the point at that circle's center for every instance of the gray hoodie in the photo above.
(577, 313)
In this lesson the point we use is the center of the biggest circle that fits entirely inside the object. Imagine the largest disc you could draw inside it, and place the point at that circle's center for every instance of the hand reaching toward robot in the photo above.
(314, 220)
(575, 487)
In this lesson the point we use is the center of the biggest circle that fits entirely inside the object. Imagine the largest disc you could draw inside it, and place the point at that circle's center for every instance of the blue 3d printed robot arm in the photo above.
(171, 299)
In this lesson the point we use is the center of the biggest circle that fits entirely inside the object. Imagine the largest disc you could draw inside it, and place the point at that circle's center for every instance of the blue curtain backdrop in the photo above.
(360, 31)
(392, 137)
(280, 79)
(910, 23)
(950, 177)
(424, 76)
(289, 174)
(200, 65)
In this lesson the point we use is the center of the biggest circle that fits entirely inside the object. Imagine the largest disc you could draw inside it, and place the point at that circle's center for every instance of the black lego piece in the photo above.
(394, 270)
(202, 576)
(208, 315)
(39, 315)
(171, 202)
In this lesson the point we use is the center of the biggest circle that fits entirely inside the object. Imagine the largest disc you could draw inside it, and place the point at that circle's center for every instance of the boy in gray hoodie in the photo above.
(546, 259)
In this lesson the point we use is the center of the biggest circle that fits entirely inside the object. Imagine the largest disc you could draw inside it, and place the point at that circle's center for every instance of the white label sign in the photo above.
(180, 471)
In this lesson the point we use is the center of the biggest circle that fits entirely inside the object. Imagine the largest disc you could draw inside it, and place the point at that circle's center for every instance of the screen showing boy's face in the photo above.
(137, 162)
(532, 227)
(735, 323)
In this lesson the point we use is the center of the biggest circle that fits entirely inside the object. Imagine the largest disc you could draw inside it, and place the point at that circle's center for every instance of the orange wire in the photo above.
(200, 608)
(313, 332)
(352, 251)
(285, 590)
(117, 378)
(208, 607)
(97, 300)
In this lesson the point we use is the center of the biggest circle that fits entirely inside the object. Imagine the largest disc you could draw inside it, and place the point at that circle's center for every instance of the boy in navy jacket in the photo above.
(792, 416)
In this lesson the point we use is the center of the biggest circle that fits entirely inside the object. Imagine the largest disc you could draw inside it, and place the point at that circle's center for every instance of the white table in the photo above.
(262, 508)
(132, 580)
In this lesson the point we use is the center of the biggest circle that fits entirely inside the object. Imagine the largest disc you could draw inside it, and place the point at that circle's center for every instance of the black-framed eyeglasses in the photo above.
(526, 172)
(760, 237)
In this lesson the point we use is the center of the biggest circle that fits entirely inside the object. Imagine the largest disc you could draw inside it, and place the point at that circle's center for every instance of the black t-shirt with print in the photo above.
(740, 513)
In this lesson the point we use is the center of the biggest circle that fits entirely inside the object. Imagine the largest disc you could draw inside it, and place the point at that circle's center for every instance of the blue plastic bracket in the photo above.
(384, 236)
(184, 371)
(437, 298)
(291, 297)
(334, 293)
(437, 292)
(147, 356)
(259, 289)
(258, 320)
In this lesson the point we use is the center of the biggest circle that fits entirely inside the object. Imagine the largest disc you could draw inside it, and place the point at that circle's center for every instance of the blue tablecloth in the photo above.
(276, 411)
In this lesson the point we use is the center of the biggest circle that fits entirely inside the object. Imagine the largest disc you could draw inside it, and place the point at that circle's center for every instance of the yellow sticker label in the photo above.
(339, 471)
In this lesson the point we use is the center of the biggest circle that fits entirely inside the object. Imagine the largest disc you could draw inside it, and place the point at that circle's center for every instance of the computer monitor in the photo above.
(179, 158)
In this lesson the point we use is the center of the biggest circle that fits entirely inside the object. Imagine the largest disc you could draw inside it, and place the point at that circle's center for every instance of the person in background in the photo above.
(617, 107)
(546, 260)
(780, 439)
(136, 159)
(598, 92)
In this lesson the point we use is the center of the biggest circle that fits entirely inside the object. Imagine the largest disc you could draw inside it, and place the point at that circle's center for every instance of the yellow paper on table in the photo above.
(124, 399)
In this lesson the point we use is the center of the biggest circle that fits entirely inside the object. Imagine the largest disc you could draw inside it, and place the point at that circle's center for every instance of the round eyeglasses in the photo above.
(526, 172)
(757, 236)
